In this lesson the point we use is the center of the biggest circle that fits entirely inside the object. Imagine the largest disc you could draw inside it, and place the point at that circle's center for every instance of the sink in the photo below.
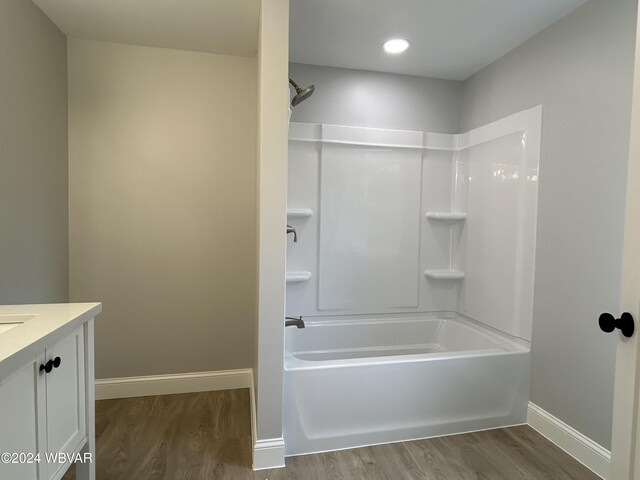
(7, 322)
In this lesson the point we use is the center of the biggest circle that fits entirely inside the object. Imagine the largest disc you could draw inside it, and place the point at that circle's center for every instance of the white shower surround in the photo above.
(421, 246)
(402, 225)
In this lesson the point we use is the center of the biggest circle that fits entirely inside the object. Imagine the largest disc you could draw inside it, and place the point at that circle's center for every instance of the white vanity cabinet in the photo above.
(47, 402)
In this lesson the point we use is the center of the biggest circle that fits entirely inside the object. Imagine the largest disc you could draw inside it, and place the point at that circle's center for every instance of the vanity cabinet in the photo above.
(46, 407)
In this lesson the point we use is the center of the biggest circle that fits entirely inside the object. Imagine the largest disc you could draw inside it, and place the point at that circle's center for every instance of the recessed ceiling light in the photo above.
(395, 45)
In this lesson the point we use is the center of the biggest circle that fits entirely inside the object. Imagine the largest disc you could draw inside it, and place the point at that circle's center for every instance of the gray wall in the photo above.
(34, 249)
(162, 148)
(381, 100)
(581, 70)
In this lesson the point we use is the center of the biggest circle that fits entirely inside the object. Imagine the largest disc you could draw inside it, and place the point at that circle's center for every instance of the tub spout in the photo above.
(293, 321)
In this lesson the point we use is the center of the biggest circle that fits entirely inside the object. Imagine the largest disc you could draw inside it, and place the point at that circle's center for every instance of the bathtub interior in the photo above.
(336, 338)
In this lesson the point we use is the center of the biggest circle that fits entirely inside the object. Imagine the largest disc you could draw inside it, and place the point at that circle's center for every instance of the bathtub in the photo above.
(352, 382)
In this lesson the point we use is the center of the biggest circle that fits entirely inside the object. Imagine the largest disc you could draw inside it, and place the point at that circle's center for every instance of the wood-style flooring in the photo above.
(202, 436)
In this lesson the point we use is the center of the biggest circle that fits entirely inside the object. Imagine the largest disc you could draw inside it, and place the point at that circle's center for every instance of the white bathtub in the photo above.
(363, 381)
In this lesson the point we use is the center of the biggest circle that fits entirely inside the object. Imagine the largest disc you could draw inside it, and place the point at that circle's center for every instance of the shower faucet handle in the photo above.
(290, 229)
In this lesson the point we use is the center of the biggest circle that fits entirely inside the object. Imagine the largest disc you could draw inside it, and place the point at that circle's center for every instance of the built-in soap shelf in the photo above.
(448, 216)
(299, 212)
(444, 274)
(297, 277)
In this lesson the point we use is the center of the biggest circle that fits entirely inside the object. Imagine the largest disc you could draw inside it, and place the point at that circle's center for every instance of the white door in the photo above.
(625, 457)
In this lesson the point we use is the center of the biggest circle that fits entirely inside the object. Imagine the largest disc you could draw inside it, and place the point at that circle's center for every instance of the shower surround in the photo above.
(429, 238)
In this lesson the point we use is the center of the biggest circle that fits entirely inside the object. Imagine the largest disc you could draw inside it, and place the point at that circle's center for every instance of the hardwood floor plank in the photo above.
(436, 465)
(538, 447)
(506, 458)
(359, 463)
(396, 457)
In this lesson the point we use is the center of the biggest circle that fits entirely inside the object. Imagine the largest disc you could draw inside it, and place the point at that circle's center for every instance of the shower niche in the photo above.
(400, 222)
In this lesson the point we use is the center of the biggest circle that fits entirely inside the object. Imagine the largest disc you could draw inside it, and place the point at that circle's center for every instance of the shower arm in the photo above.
(294, 84)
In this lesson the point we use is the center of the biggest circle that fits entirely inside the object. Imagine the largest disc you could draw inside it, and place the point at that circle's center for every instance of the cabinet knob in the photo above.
(47, 367)
(50, 365)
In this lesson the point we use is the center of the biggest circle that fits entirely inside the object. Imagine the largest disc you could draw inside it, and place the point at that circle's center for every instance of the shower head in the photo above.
(301, 93)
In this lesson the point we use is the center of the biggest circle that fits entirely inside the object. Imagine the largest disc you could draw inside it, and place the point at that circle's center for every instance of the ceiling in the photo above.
(451, 39)
(216, 26)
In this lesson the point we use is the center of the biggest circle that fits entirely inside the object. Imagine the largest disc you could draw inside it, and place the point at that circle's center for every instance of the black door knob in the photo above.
(608, 323)
(47, 367)
(56, 362)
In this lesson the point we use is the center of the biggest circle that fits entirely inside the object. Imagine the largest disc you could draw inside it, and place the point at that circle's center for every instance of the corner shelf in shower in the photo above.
(299, 212)
(297, 277)
(447, 216)
(444, 274)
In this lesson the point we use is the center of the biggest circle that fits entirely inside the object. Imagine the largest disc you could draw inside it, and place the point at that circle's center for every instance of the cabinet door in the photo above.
(65, 394)
(22, 420)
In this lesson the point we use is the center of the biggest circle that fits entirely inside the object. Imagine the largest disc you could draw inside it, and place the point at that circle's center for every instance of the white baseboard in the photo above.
(268, 453)
(592, 455)
(127, 387)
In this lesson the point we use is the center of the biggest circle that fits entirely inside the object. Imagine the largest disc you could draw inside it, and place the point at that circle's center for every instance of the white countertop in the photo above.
(42, 322)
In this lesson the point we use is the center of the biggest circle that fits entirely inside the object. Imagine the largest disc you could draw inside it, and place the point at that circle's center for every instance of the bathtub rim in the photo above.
(506, 344)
